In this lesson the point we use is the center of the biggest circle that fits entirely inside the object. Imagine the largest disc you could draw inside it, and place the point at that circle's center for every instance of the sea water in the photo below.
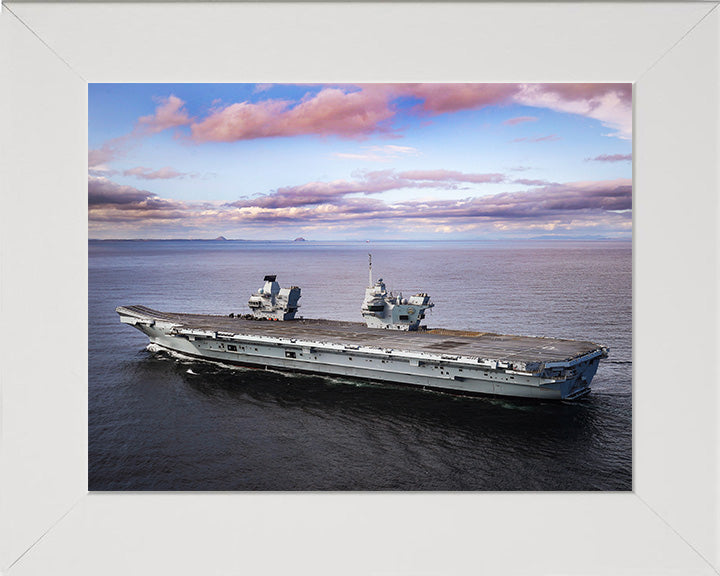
(158, 423)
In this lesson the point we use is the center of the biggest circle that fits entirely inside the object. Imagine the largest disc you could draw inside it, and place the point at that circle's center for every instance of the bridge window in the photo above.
(289, 354)
(232, 348)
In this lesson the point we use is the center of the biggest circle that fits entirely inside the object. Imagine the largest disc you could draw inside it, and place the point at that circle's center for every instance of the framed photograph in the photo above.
(469, 240)
(63, 59)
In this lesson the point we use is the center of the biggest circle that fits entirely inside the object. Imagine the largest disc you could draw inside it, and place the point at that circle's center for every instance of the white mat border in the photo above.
(61, 46)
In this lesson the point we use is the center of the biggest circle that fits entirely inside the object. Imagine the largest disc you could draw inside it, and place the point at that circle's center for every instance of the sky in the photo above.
(332, 162)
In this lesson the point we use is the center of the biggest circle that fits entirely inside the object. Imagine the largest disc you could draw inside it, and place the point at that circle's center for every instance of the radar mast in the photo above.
(370, 270)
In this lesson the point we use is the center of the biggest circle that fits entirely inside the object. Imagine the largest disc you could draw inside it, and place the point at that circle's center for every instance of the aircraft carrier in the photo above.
(391, 346)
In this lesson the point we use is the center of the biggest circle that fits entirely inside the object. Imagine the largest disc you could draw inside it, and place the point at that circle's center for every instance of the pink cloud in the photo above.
(330, 112)
(346, 111)
(588, 92)
(101, 155)
(519, 120)
(359, 111)
(110, 150)
(611, 104)
(442, 98)
(170, 113)
(611, 158)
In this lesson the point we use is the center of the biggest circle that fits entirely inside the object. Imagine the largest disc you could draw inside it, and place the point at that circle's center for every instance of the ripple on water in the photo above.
(164, 423)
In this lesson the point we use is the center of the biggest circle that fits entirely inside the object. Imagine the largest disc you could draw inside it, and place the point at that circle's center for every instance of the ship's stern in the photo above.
(579, 386)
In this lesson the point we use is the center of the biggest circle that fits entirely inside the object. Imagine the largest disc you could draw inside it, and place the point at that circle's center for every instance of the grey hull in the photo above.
(447, 360)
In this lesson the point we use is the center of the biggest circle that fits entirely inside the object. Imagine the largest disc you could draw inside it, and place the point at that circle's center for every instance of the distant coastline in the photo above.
(388, 241)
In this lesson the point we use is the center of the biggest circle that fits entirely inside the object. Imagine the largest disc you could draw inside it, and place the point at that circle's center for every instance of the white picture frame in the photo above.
(669, 524)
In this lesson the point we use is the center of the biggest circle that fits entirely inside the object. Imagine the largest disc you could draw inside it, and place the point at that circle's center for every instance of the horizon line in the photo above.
(533, 239)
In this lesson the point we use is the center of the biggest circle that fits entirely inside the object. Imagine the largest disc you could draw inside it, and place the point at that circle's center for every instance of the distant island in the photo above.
(300, 239)
(221, 238)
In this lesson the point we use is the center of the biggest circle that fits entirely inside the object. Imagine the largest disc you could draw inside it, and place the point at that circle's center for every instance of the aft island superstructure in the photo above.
(391, 347)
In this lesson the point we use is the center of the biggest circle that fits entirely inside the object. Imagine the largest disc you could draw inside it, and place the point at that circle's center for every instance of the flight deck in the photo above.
(526, 349)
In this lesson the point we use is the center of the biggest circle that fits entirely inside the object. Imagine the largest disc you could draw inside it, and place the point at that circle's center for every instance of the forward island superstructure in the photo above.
(391, 347)
(274, 303)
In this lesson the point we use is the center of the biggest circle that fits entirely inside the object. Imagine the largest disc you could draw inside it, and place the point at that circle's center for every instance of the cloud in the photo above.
(443, 98)
(313, 193)
(165, 173)
(101, 170)
(331, 111)
(587, 92)
(548, 138)
(526, 182)
(553, 199)
(345, 111)
(170, 113)
(380, 153)
(569, 206)
(520, 120)
(104, 191)
(112, 202)
(109, 151)
(451, 176)
(611, 158)
(358, 111)
(395, 149)
(353, 111)
(611, 104)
